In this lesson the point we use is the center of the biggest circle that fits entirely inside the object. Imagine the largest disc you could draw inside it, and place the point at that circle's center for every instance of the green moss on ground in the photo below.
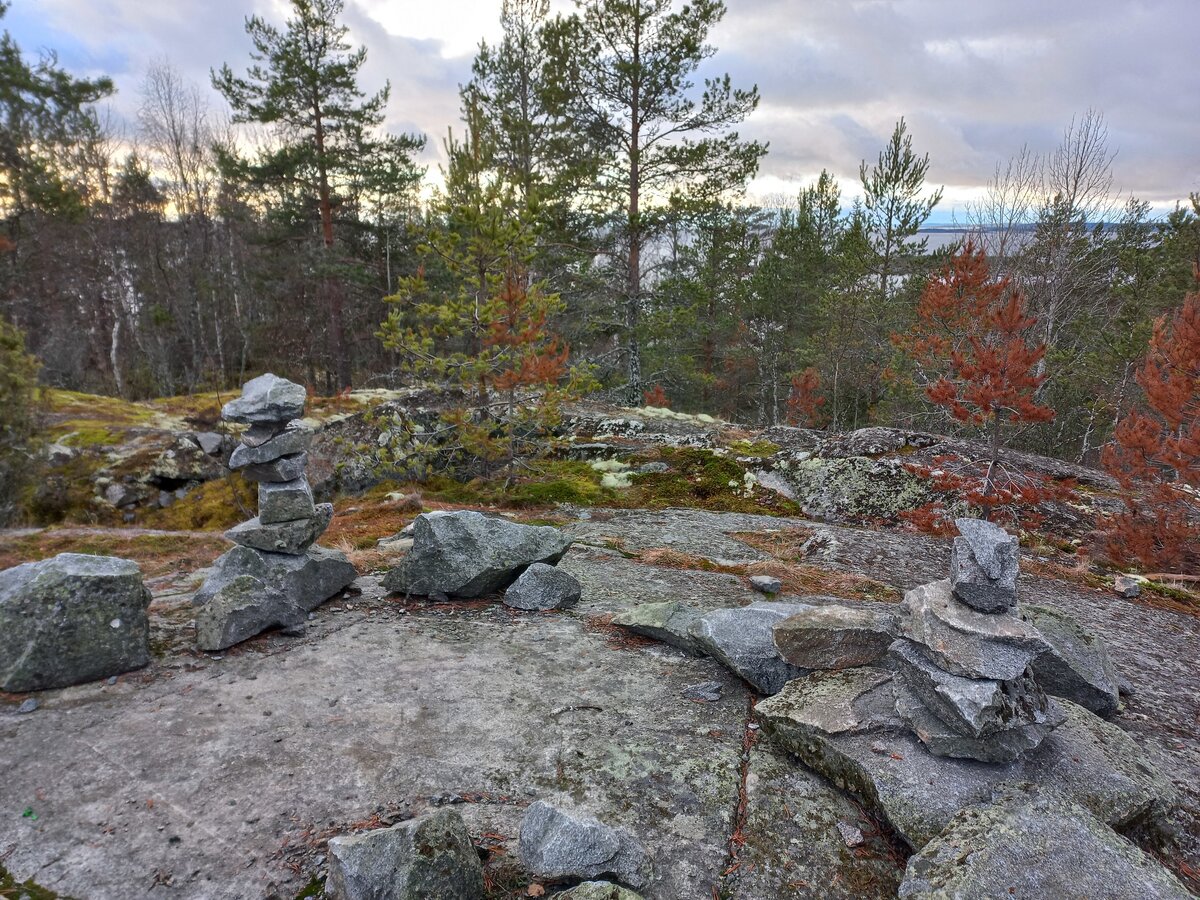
(704, 480)
(10, 887)
(212, 506)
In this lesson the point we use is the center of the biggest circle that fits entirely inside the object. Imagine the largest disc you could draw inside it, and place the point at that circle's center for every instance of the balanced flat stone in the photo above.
(267, 398)
(984, 564)
(543, 587)
(285, 501)
(1029, 844)
(966, 642)
(286, 468)
(973, 707)
(742, 639)
(1075, 665)
(844, 726)
(258, 434)
(293, 537)
(669, 621)
(835, 636)
(430, 856)
(71, 619)
(466, 554)
(296, 438)
(557, 844)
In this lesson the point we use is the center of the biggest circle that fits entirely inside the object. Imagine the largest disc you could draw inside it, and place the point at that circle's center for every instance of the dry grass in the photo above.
(616, 637)
(157, 554)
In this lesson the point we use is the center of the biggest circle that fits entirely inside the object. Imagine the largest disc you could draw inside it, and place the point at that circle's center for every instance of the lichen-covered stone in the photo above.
(853, 490)
(766, 584)
(742, 639)
(1030, 844)
(966, 642)
(267, 398)
(296, 438)
(1076, 664)
(669, 622)
(431, 856)
(835, 636)
(843, 725)
(465, 554)
(557, 844)
(543, 587)
(285, 501)
(598, 890)
(71, 619)
(293, 537)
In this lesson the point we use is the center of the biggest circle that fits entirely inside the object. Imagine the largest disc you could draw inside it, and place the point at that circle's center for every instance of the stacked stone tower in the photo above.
(965, 686)
(275, 575)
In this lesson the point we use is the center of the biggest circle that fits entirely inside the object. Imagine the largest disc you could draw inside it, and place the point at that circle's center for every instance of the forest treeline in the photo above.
(588, 226)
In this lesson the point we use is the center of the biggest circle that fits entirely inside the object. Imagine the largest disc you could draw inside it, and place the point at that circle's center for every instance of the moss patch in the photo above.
(703, 480)
(212, 506)
(10, 887)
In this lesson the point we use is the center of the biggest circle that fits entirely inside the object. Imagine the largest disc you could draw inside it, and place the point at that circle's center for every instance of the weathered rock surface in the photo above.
(844, 726)
(1127, 586)
(296, 438)
(557, 844)
(293, 537)
(966, 642)
(250, 591)
(670, 622)
(974, 707)
(766, 584)
(543, 587)
(285, 501)
(1030, 844)
(598, 890)
(286, 468)
(836, 636)
(466, 554)
(70, 619)
(1076, 664)
(431, 856)
(742, 639)
(984, 565)
(267, 398)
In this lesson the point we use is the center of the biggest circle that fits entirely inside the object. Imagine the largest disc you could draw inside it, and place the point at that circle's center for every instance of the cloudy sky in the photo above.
(975, 79)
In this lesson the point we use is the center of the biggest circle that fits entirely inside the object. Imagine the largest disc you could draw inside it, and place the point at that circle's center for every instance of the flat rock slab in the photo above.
(742, 639)
(1029, 845)
(267, 398)
(1075, 665)
(837, 635)
(204, 773)
(839, 725)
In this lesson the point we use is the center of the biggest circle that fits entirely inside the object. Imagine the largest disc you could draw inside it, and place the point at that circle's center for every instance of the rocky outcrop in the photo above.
(431, 856)
(275, 575)
(556, 844)
(71, 619)
(598, 890)
(742, 639)
(543, 587)
(466, 554)
(1029, 844)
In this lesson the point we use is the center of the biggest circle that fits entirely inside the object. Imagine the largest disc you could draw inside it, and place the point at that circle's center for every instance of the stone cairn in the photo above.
(275, 575)
(965, 685)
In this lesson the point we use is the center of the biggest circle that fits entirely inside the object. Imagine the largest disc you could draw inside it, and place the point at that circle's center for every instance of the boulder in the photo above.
(543, 587)
(466, 554)
(669, 622)
(835, 636)
(293, 537)
(250, 591)
(973, 707)
(1127, 586)
(267, 398)
(1029, 844)
(984, 564)
(430, 856)
(598, 890)
(285, 501)
(843, 725)
(296, 438)
(766, 584)
(1076, 664)
(286, 468)
(966, 642)
(71, 619)
(742, 639)
(555, 844)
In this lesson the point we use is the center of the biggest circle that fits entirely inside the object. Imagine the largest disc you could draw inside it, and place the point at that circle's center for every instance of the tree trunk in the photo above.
(331, 285)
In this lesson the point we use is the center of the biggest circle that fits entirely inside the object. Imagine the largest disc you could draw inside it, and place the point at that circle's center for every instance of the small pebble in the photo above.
(851, 835)
(28, 706)
(112, 679)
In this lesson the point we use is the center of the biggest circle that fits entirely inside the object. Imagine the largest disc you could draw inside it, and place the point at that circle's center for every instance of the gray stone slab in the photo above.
(1076, 664)
(293, 537)
(296, 438)
(742, 639)
(543, 587)
(669, 622)
(285, 501)
(267, 398)
(836, 636)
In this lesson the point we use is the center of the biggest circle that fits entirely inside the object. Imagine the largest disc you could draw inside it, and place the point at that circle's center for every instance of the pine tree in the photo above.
(1155, 452)
(620, 84)
(304, 81)
(18, 422)
(972, 354)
